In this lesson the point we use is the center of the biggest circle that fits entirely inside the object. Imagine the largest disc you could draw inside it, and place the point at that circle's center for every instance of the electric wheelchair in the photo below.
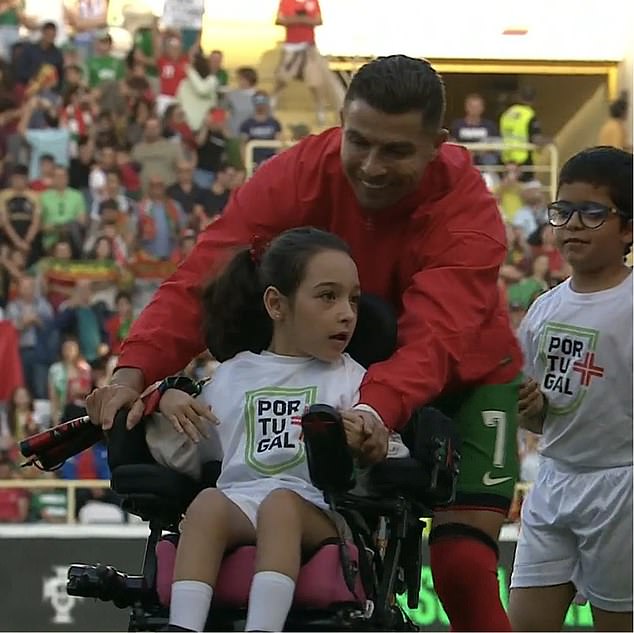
(347, 584)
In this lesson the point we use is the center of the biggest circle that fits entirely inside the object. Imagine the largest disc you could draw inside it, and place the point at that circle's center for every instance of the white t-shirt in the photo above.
(578, 347)
(259, 400)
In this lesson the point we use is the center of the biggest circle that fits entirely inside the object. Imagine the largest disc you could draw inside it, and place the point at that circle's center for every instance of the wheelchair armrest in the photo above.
(153, 491)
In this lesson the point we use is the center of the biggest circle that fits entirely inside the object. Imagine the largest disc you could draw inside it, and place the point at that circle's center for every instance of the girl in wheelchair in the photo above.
(279, 322)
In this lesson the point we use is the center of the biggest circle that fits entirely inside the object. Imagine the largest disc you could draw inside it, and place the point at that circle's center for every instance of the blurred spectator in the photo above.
(175, 127)
(533, 212)
(63, 212)
(300, 57)
(76, 116)
(613, 130)
(215, 66)
(140, 112)
(543, 243)
(51, 139)
(509, 192)
(103, 65)
(118, 325)
(46, 171)
(83, 319)
(240, 100)
(47, 505)
(20, 216)
(156, 154)
(12, 268)
(106, 161)
(197, 92)
(14, 502)
(81, 166)
(37, 54)
(518, 255)
(11, 16)
(262, 126)
(526, 290)
(171, 66)
(161, 220)
(73, 76)
(86, 17)
(213, 201)
(70, 381)
(112, 189)
(20, 420)
(32, 315)
(185, 191)
(211, 148)
(474, 128)
(518, 126)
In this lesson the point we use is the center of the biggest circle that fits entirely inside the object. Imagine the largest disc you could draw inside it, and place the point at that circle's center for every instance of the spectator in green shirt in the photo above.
(103, 66)
(63, 211)
(11, 15)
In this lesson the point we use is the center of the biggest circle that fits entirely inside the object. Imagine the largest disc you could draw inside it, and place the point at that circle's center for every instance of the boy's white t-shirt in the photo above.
(259, 400)
(578, 348)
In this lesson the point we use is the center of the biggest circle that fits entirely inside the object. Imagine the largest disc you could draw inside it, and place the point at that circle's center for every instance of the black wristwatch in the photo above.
(182, 383)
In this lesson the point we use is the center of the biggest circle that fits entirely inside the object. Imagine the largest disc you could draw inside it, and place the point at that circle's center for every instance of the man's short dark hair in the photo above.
(123, 294)
(248, 74)
(49, 25)
(48, 157)
(618, 108)
(397, 84)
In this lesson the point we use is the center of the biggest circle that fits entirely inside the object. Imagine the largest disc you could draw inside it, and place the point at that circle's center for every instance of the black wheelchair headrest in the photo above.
(127, 447)
(330, 462)
(375, 336)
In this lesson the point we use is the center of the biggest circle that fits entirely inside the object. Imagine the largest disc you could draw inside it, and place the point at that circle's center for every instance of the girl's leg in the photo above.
(540, 608)
(286, 526)
(212, 525)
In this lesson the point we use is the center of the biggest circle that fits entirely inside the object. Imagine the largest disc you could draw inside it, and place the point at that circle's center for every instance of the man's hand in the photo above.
(375, 442)
(186, 414)
(532, 404)
(125, 391)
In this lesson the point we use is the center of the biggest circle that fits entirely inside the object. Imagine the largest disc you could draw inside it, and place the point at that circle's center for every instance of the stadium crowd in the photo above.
(111, 166)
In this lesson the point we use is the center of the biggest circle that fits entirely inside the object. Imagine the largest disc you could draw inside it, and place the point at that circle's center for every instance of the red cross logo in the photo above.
(588, 369)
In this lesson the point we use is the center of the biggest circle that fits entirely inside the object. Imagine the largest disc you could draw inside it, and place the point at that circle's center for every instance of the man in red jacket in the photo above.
(427, 238)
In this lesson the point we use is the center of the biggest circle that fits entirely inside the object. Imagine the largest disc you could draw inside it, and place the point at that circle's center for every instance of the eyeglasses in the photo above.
(592, 215)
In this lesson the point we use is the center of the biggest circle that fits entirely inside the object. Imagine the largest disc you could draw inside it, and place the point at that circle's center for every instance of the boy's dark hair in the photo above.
(235, 317)
(618, 108)
(48, 157)
(20, 170)
(608, 167)
(248, 74)
(603, 166)
(397, 84)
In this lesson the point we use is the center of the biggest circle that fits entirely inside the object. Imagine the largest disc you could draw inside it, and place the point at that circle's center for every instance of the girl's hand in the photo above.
(187, 415)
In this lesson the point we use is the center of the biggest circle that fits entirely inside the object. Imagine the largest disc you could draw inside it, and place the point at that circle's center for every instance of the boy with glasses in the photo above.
(577, 339)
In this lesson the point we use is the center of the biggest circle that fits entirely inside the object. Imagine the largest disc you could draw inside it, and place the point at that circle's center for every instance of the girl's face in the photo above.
(70, 351)
(103, 250)
(320, 319)
(22, 398)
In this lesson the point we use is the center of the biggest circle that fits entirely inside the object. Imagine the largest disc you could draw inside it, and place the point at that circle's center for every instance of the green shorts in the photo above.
(487, 423)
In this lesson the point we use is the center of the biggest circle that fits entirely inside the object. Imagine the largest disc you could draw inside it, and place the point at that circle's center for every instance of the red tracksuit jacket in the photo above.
(434, 256)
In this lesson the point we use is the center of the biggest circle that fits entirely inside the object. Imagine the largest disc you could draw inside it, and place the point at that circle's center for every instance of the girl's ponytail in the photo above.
(235, 319)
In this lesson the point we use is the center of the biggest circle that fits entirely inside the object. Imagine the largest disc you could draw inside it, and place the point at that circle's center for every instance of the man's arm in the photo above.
(444, 310)
(167, 334)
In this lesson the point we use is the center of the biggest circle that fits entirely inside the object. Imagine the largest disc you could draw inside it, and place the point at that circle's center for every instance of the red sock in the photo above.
(465, 579)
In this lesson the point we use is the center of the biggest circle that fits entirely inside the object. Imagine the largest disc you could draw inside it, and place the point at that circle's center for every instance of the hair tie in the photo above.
(257, 248)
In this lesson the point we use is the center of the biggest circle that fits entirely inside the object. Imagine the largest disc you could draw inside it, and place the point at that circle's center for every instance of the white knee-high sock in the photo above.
(190, 603)
(270, 600)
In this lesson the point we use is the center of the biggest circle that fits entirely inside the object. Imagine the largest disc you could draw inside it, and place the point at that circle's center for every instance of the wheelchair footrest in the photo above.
(108, 584)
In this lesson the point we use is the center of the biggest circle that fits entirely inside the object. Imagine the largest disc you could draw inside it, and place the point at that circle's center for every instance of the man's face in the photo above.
(47, 168)
(152, 130)
(384, 155)
(113, 185)
(48, 35)
(215, 61)
(102, 47)
(474, 106)
(60, 179)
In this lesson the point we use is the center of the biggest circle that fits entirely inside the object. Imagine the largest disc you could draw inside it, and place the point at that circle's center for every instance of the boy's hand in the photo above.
(187, 414)
(531, 403)
(353, 427)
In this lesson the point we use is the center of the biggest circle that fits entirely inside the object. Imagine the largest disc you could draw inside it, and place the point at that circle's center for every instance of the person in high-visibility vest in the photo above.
(519, 126)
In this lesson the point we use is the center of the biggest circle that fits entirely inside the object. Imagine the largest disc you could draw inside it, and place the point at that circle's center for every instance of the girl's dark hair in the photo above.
(235, 319)
(397, 84)
(201, 65)
(12, 418)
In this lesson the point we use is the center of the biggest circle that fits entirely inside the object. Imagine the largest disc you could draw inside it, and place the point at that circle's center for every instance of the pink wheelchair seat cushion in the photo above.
(320, 583)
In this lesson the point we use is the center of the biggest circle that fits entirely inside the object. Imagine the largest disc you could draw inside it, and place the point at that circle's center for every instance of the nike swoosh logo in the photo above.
(487, 480)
